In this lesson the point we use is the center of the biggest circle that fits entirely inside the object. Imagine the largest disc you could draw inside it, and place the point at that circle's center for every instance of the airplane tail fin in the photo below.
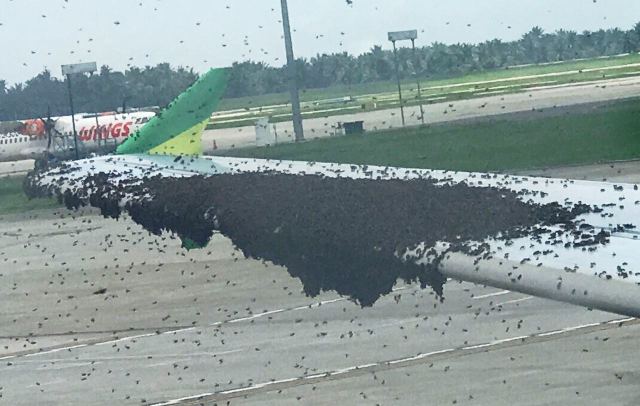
(177, 129)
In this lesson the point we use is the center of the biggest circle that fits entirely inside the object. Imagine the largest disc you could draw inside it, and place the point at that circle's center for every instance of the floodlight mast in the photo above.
(68, 70)
(291, 69)
(415, 69)
(73, 118)
(410, 35)
(397, 64)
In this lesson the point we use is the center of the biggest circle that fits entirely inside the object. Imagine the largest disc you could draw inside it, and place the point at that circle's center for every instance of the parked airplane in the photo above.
(101, 132)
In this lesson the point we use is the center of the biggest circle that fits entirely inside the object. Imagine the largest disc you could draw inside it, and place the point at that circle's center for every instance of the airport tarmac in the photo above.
(97, 311)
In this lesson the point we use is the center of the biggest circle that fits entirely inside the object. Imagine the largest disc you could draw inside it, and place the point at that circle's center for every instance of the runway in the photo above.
(97, 311)
(536, 99)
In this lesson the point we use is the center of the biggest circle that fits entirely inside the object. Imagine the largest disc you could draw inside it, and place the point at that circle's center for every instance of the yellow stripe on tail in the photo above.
(186, 143)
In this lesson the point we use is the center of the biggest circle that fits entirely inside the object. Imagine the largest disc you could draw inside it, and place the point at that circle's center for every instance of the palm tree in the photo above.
(532, 45)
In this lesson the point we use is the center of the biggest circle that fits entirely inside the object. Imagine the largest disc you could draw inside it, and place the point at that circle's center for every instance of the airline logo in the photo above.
(104, 132)
(33, 128)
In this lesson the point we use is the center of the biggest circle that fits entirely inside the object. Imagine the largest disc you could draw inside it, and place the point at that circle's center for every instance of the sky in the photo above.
(39, 34)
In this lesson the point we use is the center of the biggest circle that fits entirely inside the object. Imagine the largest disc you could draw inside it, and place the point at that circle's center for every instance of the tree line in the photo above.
(105, 90)
(156, 86)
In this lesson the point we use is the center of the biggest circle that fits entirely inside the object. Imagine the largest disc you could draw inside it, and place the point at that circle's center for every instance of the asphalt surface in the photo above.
(541, 98)
(97, 311)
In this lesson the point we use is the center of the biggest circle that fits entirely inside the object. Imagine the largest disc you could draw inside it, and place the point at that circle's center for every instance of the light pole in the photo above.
(291, 69)
(415, 69)
(411, 35)
(395, 58)
(68, 70)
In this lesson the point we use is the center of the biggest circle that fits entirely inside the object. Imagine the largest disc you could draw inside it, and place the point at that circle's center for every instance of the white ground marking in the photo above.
(504, 292)
(135, 357)
(515, 301)
(343, 371)
(182, 330)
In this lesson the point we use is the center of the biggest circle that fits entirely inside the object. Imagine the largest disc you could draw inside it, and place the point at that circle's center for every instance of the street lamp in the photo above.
(68, 70)
(411, 35)
(291, 68)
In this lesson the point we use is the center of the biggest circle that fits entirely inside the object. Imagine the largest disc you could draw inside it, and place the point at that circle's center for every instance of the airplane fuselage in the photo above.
(16, 146)
(95, 133)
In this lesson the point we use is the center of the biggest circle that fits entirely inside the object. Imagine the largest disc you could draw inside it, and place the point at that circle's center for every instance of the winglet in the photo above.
(176, 130)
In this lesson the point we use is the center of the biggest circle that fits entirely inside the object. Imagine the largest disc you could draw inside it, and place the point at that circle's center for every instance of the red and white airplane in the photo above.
(96, 133)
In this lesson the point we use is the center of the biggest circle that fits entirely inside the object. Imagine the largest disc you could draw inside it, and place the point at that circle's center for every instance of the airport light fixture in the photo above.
(72, 69)
(410, 35)
(291, 70)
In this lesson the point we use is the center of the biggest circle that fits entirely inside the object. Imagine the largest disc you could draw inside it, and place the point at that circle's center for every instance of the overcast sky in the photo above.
(210, 33)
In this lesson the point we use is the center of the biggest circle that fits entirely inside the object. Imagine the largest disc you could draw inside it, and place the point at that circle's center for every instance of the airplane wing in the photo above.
(357, 229)
(572, 241)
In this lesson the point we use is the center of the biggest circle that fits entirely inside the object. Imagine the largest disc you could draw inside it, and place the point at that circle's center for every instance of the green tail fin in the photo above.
(177, 129)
